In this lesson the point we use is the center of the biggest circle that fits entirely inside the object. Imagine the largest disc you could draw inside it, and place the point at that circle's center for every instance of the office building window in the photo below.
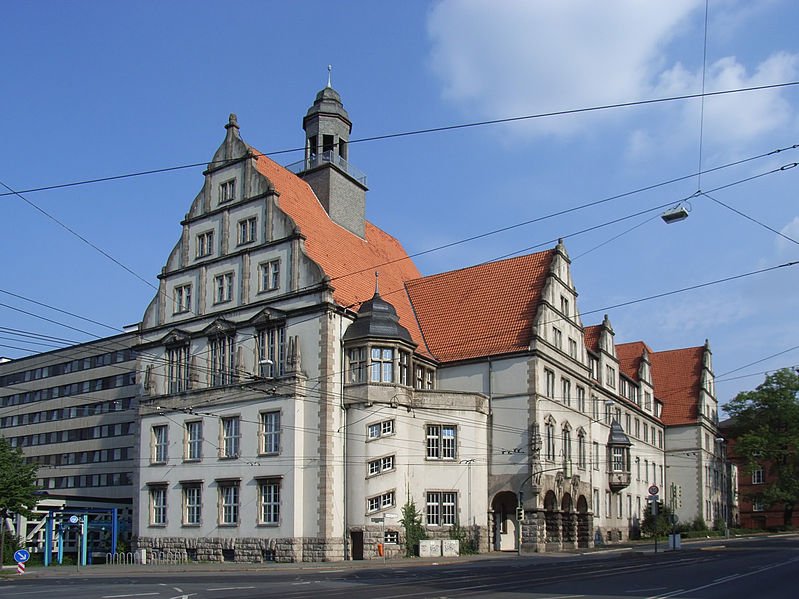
(549, 377)
(441, 441)
(182, 299)
(382, 365)
(272, 351)
(248, 230)
(442, 508)
(581, 399)
(269, 497)
(158, 506)
(357, 364)
(178, 368)
(231, 437)
(270, 432)
(557, 337)
(205, 244)
(380, 465)
(380, 429)
(194, 440)
(160, 444)
(270, 275)
(227, 191)
(380, 502)
(192, 504)
(229, 503)
(758, 476)
(404, 367)
(223, 356)
(223, 288)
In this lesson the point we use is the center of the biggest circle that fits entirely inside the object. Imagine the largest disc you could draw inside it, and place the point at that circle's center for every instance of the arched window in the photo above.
(549, 440)
(581, 457)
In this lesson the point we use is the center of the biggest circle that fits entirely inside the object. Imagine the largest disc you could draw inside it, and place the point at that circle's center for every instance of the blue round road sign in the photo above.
(21, 556)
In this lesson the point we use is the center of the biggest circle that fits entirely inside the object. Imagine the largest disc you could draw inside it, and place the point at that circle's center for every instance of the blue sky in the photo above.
(95, 89)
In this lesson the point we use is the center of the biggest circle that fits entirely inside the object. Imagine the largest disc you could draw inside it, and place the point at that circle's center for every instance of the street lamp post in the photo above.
(725, 486)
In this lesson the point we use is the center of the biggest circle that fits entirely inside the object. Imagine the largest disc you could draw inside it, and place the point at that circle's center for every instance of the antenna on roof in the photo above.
(329, 74)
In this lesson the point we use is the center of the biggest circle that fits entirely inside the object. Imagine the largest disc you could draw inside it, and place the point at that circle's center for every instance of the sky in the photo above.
(98, 89)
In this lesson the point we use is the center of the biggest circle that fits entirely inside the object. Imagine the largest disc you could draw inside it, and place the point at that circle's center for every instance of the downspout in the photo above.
(344, 430)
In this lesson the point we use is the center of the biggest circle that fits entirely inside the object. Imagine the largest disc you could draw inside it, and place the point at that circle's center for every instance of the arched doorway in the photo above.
(552, 521)
(584, 523)
(568, 521)
(505, 527)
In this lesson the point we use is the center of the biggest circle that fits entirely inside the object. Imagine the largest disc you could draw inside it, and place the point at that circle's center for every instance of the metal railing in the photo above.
(328, 157)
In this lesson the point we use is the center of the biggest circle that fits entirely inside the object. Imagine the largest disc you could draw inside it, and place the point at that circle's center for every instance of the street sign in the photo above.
(73, 519)
(653, 498)
(653, 489)
(675, 519)
(378, 520)
(21, 556)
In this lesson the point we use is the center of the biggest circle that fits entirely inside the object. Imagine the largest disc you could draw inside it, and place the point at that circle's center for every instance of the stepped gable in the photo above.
(483, 310)
(677, 376)
(629, 356)
(341, 253)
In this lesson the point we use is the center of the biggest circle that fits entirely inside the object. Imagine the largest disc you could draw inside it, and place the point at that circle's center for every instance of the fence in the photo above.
(145, 556)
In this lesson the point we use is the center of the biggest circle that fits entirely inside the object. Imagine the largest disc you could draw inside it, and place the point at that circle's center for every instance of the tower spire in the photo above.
(329, 75)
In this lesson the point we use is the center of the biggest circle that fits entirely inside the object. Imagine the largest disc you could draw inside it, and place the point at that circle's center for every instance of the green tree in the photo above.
(17, 487)
(765, 425)
(661, 524)
(412, 523)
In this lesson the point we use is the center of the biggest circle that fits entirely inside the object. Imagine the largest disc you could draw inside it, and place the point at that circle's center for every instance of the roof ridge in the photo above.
(480, 265)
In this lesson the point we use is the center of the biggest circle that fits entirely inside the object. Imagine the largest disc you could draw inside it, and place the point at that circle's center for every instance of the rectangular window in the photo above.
(660, 439)
(270, 432)
(378, 502)
(596, 503)
(404, 366)
(223, 288)
(566, 390)
(158, 506)
(248, 230)
(596, 455)
(549, 377)
(618, 459)
(593, 364)
(231, 436)
(382, 365)
(610, 377)
(272, 351)
(194, 440)
(647, 401)
(441, 441)
(227, 191)
(564, 305)
(380, 429)
(160, 444)
(646, 433)
(269, 495)
(637, 428)
(357, 360)
(205, 244)
(229, 504)
(178, 368)
(391, 537)
(270, 275)
(581, 399)
(758, 476)
(627, 422)
(572, 348)
(384, 464)
(442, 508)
(223, 355)
(192, 504)
(557, 337)
(182, 299)
(757, 504)
(581, 457)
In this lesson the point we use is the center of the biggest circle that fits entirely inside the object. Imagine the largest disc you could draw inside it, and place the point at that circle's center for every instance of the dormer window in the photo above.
(227, 191)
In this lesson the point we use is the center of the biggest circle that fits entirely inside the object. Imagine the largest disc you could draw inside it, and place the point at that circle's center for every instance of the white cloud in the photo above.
(518, 57)
(510, 58)
(790, 230)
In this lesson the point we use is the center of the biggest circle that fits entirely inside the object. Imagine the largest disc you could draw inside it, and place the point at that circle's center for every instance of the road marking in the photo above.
(130, 595)
(229, 589)
(724, 580)
(646, 590)
(178, 590)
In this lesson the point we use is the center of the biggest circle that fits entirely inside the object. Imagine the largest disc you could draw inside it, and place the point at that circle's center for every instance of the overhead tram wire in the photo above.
(750, 218)
(423, 131)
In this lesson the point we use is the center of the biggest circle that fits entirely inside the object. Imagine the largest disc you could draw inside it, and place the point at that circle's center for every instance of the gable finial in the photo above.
(329, 75)
(377, 282)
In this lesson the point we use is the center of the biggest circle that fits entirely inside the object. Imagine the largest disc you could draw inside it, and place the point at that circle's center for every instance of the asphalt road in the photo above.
(763, 567)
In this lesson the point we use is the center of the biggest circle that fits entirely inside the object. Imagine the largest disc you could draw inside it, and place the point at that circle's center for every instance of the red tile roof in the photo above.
(347, 259)
(677, 376)
(629, 356)
(482, 310)
(591, 337)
